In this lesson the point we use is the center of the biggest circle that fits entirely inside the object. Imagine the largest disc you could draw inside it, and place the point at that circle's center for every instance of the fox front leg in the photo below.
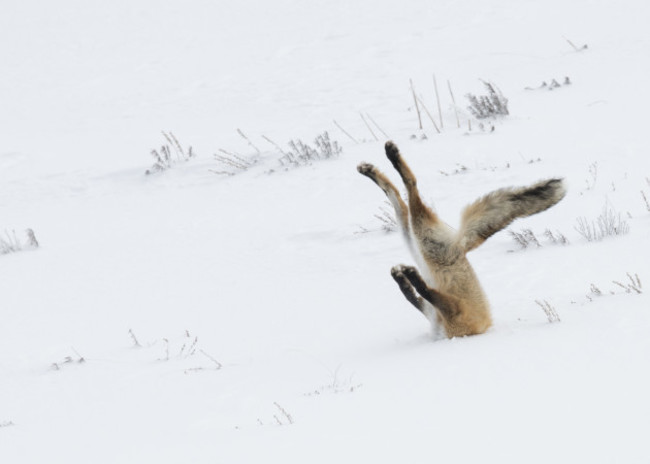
(447, 305)
(407, 289)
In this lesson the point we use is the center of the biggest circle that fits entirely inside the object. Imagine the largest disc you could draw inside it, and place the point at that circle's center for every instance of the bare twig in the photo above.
(645, 199)
(180, 149)
(80, 359)
(428, 114)
(166, 349)
(257, 150)
(435, 86)
(377, 126)
(216, 363)
(345, 132)
(277, 147)
(174, 143)
(284, 413)
(584, 47)
(368, 126)
(233, 160)
(453, 100)
(192, 347)
(417, 108)
(136, 343)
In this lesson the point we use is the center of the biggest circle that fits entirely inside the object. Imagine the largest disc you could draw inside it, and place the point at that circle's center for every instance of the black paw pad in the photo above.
(392, 153)
(410, 272)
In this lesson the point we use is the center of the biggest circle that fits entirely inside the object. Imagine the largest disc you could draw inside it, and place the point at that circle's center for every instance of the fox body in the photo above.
(450, 293)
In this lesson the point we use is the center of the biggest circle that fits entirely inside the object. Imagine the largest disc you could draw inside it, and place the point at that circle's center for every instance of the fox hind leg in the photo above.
(395, 157)
(435, 238)
(421, 215)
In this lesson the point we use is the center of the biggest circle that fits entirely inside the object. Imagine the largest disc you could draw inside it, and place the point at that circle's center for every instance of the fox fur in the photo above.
(450, 293)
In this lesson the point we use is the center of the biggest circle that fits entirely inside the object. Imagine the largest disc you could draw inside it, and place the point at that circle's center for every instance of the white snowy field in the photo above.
(189, 316)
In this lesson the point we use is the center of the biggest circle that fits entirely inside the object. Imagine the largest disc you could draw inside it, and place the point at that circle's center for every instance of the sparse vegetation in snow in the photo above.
(169, 154)
(11, 243)
(554, 84)
(298, 153)
(185, 349)
(492, 105)
(549, 310)
(609, 223)
(76, 359)
(301, 153)
(337, 385)
(386, 219)
(280, 417)
(267, 265)
(233, 163)
(645, 201)
(526, 238)
(631, 285)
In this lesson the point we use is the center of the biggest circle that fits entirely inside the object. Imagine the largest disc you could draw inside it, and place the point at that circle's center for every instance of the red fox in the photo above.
(449, 293)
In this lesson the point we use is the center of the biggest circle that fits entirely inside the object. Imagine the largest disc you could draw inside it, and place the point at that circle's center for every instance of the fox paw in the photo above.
(396, 272)
(366, 169)
(410, 272)
(392, 152)
(399, 271)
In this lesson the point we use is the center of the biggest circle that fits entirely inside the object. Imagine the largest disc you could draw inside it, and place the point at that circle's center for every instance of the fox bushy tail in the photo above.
(496, 210)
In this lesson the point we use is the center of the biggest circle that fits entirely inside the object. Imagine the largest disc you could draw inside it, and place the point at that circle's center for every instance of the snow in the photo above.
(269, 326)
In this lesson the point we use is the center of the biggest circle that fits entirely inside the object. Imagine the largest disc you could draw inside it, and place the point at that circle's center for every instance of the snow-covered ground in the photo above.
(187, 316)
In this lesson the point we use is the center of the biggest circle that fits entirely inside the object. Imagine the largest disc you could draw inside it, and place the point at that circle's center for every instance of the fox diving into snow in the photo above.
(448, 292)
